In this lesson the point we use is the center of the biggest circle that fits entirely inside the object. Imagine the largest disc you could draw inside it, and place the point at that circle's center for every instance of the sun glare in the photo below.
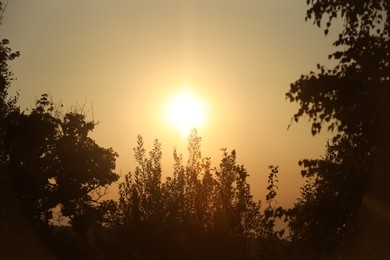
(185, 111)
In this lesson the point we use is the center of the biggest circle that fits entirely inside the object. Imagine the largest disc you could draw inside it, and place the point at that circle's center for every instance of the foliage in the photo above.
(52, 162)
(361, 17)
(48, 166)
(201, 212)
(329, 200)
(353, 99)
(342, 95)
(6, 77)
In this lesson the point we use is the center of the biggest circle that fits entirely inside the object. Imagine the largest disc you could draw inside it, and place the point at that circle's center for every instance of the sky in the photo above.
(124, 60)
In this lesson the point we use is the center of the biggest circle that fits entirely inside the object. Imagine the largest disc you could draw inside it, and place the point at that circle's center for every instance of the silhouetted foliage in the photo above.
(7, 104)
(52, 162)
(330, 199)
(53, 168)
(201, 212)
(353, 99)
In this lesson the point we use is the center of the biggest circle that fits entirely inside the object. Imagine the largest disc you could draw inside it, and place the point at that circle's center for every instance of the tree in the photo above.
(174, 201)
(192, 176)
(203, 212)
(7, 104)
(353, 99)
(329, 201)
(140, 210)
(14, 226)
(271, 241)
(6, 77)
(53, 162)
(237, 216)
(148, 181)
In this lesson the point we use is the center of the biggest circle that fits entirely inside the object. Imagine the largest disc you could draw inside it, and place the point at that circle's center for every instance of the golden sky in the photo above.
(124, 60)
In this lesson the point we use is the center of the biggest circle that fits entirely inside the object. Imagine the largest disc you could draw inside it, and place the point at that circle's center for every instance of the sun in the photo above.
(185, 111)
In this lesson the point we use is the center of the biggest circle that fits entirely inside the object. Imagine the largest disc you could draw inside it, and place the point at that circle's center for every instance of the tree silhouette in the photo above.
(52, 162)
(330, 199)
(7, 104)
(202, 212)
(53, 167)
(352, 98)
(48, 164)
(15, 229)
(140, 213)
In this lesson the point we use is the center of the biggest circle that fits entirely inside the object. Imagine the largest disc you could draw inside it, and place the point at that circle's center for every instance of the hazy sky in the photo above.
(124, 59)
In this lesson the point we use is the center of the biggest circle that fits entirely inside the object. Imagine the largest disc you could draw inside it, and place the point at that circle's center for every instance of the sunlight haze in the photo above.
(126, 61)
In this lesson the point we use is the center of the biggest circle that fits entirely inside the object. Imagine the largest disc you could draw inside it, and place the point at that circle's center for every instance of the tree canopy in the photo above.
(352, 99)
(198, 212)
(48, 166)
